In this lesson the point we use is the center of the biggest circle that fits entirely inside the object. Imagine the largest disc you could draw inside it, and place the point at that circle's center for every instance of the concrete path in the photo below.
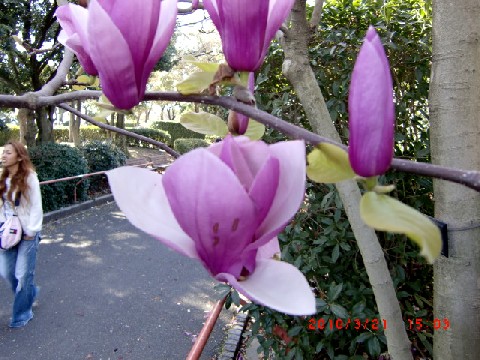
(108, 291)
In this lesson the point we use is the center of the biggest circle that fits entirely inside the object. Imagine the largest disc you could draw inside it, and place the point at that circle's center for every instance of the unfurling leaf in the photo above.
(204, 123)
(196, 83)
(384, 213)
(328, 163)
(85, 80)
(255, 130)
(204, 66)
(105, 104)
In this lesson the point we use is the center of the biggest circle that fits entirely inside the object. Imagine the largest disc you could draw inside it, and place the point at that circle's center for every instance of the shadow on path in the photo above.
(109, 291)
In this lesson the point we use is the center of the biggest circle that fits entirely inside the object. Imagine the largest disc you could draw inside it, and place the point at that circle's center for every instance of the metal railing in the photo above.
(85, 176)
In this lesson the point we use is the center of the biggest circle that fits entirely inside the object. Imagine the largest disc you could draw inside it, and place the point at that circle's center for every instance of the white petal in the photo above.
(278, 285)
(140, 195)
(269, 250)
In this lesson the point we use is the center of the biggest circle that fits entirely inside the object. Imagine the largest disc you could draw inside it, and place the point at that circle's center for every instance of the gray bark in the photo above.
(74, 126)
(28, 130)
(121, 140)
(455, 141)
(297, 69)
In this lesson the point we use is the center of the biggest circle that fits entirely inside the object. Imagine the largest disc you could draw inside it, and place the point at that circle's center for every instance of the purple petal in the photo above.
(232, 156)
(254, 152)
(137, 21)
(277, 13)
(251, 82)
(371, 110)
(146, 207)
(213, 208)
(164, 32)
(212, 8)
(264, 188)
(278, 285)
(291, 188)
(111, 55)
(73, 19)
(242, 26)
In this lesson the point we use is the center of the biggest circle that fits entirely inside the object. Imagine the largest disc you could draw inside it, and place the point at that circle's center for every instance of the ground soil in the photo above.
(158, 157)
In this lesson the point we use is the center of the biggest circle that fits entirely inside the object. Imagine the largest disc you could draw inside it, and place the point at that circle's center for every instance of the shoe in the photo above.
(20, 325)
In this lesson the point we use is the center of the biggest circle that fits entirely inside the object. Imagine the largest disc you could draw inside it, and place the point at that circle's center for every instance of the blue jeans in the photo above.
(17, 266)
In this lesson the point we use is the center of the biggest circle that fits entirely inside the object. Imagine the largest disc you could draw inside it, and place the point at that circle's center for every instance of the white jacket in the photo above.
(29, 213)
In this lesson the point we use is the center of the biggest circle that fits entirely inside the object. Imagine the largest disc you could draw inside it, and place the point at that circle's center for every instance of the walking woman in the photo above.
(19, 185)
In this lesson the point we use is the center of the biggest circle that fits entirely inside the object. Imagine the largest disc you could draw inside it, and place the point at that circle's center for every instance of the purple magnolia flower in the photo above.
(224, 205)
(238, 123)
(120, 40)
(371, 110)
(246, 28)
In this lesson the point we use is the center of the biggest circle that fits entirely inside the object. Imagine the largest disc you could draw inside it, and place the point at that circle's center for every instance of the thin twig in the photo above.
(120, 131)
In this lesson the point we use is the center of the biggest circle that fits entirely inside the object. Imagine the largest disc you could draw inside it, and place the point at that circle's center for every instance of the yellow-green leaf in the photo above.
(384, 213)
(195, 83)
(82, 79)
(101, 119)
(255, 130)
(204, 123)
(105, 104)
(328, 163)
(205, 66)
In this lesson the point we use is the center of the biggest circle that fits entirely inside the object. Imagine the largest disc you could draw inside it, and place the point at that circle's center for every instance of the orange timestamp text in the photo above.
(343, 324)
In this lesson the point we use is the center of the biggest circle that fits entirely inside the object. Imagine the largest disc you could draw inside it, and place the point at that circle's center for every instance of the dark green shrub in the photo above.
(158, 135)
(183, 146)
(319, 241)
(102, 156)
(176, 130)
(55, 161)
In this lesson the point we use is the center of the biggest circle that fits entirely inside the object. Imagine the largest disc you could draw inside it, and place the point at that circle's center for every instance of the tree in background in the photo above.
(455, 130)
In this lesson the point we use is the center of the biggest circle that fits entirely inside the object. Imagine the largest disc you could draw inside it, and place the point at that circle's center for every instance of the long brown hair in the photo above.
(19, 180)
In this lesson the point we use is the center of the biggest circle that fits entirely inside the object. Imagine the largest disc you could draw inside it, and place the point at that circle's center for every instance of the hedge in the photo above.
(176, 130)
(185, 145)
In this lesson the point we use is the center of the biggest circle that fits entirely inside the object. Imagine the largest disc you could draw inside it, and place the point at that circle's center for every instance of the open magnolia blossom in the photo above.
(246, 28)
(120, 40)
(225, 205)
(371, 110)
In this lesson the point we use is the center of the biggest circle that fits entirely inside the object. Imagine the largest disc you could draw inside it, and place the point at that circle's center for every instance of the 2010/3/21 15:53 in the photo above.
(374, 324)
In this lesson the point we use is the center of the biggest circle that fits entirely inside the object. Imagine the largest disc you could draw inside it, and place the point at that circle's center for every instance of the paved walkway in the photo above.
(108, 291)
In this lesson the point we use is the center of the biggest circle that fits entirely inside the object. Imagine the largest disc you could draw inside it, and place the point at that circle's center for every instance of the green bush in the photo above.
(176, 130)
(102, 156)
(55, 161)
(158, 135)
(92, 132)
(319, 240)
(87, 133)
(183, 146)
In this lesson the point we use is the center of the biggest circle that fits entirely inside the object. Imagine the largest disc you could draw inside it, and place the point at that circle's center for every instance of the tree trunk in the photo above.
(297, 69)
(121, 140)
(74, 126)
(455, 142)
(44, 122)
(28, 130)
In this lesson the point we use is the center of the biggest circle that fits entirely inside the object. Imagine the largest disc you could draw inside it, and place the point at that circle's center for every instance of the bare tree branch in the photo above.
(317, 14)
(470, 178)
(59, 78)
